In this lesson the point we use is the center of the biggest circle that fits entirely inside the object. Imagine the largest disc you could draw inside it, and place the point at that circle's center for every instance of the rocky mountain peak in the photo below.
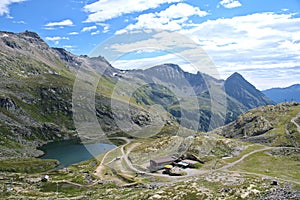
(32, 37)
(22, 41)
(235, 76)
(30, 34)
(239, 88)
(167, 67)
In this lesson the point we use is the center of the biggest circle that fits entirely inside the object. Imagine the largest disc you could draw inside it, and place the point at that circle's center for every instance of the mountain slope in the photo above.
(217, 101)
(36, 89)
(272, 125)
(240, 89)
(291, 93)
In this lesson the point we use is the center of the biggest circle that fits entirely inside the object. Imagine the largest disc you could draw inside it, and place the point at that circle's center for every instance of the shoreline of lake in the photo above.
(69, 152)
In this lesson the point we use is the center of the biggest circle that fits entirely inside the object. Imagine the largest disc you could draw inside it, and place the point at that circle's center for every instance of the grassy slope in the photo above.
(269, 124)
(27, 165)
(285, 167)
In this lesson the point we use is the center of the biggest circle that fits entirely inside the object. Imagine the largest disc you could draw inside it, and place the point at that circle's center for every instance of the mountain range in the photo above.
(291, 93)
(37, 96)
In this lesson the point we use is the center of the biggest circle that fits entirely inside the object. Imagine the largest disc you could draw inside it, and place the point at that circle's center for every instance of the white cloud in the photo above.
(19, 22)
(173, 18)
(181, 10)
(73, 33)
(4, 5)
(155, 40)
(103, 10)
(251, 44)
(156, 47)
(56, 39)
(88, 29)
(69, 47)
(105, 27)
(66, 22)
(146, 62)
(230, 3)
(95, 32)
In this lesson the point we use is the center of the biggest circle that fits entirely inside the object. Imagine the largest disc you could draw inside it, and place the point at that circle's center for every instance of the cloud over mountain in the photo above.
(66, 22)
(101, 11)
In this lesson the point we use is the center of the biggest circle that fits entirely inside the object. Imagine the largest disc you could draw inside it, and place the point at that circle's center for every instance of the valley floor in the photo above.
(258, 172)
(227, 168)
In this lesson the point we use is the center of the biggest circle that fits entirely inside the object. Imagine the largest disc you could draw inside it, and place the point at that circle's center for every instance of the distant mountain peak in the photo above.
(237, 78)
(239, 88)
(30, 34)
(19, 40)
(169, 66)
(236, 75)
(32, 37)
(291, 93)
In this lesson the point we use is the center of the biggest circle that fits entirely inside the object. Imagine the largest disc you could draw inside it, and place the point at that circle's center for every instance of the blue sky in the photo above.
(259, 39)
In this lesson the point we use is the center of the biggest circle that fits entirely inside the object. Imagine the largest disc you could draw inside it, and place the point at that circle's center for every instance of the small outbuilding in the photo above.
(190, 163)
(182, 164)
(46, 178)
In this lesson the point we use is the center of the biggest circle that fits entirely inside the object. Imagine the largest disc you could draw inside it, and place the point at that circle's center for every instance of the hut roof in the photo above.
(165, 159)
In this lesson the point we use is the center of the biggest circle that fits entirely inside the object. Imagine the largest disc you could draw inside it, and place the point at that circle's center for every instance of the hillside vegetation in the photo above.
(271, 125)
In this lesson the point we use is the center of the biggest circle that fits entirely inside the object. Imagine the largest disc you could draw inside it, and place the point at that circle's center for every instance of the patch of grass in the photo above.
(249, 149)
(194, 195)
(291, 128)
(66, 189)
(198, 165)
(27, 165)
(113, 154)
(117, 142)
(276, 166)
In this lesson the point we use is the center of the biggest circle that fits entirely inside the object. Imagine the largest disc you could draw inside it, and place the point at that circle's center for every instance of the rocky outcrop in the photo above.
(258, 124)
(279, 192)
(7, 103)
(141, 119)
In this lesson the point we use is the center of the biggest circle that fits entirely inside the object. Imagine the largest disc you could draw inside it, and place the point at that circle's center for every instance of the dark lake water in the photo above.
(71, 151)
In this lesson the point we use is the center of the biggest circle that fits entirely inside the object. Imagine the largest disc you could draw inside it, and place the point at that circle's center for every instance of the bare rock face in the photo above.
(141, 119)
(7, 104)
(253, 125)
(281, 193)
(248, 125)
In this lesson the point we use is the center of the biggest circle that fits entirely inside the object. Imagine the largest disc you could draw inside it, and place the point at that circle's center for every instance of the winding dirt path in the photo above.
(194, 173)
(224, 168)
(294, 122)
(202, 172)
(245, 156)
(101, 167)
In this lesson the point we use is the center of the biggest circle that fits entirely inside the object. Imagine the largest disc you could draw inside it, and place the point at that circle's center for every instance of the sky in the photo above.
(259, 39)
